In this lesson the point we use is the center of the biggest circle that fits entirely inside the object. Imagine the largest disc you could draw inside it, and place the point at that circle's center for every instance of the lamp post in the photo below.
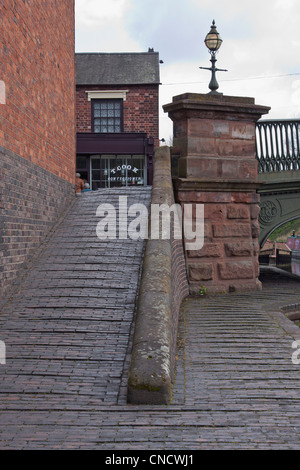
(213, 43)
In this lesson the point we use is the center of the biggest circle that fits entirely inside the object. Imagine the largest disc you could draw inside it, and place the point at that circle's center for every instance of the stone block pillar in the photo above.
(214, 144)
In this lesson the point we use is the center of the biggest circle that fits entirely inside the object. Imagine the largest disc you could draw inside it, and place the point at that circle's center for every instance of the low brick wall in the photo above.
(163, 287)
(31, 201)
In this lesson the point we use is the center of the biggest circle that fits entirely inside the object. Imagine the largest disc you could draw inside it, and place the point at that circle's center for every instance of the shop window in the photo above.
(109, 171)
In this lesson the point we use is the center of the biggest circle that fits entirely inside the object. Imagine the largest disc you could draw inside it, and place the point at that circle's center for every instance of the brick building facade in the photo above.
(37, 125)
(117, 113)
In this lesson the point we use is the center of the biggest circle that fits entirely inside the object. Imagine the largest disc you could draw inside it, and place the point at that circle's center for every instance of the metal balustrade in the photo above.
(278, 145)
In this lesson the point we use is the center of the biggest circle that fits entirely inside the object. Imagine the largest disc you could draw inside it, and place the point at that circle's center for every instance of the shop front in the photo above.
(115, 160)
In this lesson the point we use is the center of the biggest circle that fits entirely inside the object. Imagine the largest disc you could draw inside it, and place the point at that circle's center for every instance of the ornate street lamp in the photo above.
(213, 43)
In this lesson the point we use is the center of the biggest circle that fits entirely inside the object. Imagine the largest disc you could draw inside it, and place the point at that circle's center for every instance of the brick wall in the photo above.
(140, 109)
(37, 126)
(180, 290)
(31, 200)
(37, 66)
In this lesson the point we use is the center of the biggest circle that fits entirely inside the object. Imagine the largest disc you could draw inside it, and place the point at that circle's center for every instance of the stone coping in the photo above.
(150, 375)
(216, 104)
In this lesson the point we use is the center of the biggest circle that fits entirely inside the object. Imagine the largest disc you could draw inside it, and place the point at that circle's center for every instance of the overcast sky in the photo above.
(261, 45)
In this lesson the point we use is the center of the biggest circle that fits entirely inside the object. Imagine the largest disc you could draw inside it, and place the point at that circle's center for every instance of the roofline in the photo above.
(116, 53)
(119, 84)
(149, 53)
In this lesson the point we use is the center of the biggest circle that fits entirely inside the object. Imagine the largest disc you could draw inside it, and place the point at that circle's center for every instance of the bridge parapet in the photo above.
(278, 156)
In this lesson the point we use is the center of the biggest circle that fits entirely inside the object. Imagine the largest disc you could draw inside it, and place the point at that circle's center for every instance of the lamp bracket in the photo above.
(215, 69)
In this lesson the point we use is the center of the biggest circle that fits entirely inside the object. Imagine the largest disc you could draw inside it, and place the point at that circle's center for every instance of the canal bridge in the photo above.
(278, 155)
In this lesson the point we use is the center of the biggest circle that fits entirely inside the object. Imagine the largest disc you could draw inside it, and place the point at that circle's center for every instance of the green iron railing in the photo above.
(278, 145)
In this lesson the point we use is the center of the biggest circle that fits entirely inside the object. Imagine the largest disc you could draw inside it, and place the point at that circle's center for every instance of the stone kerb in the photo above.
(154, 343)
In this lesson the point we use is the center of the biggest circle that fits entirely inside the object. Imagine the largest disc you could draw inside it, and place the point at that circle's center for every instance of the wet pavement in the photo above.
(68, 331)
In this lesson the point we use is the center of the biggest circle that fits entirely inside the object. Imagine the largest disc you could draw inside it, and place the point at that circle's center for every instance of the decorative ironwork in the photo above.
(278, 145)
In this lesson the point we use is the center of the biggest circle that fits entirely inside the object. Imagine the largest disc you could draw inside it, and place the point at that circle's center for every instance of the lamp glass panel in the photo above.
(213, 41)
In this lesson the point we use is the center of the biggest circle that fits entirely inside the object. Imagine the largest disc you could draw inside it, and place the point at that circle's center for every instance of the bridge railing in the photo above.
(278, 145)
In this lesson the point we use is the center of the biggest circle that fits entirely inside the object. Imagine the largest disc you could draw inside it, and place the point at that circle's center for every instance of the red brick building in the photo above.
(37, 125)
(117, 113)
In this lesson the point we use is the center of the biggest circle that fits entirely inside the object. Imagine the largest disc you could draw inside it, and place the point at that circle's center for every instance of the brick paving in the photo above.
(68, 332)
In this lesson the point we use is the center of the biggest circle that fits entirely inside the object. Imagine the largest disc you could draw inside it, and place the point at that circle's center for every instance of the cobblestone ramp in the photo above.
(68, 339)
(67, 329)
(235, 345)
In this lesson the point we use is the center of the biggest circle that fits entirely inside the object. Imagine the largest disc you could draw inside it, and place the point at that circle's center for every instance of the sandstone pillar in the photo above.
(214, 144)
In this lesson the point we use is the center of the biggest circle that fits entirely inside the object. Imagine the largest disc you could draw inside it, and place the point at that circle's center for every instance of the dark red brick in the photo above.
(37, 135)
(140, 109)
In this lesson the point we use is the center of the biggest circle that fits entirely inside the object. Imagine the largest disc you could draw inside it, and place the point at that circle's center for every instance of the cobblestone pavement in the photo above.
(68, 331)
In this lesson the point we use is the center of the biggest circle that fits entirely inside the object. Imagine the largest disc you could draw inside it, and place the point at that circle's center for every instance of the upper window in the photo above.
(107, 115)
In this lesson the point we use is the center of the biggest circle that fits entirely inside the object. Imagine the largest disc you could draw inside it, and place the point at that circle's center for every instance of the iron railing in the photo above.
(278, 145)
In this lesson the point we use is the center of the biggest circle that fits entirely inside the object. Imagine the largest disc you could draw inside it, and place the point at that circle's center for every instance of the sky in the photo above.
(260, 50)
